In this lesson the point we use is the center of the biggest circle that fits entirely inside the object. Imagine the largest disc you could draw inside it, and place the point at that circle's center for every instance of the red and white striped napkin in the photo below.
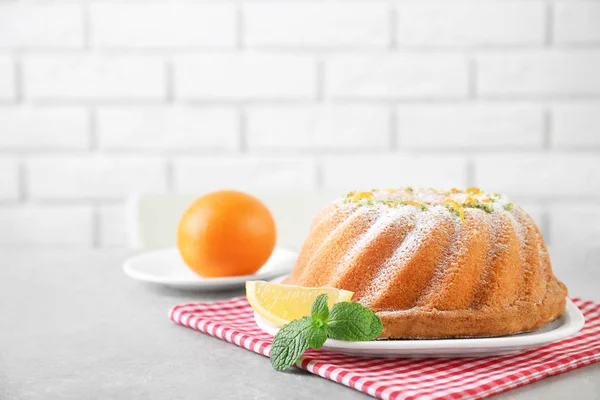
(405, 378)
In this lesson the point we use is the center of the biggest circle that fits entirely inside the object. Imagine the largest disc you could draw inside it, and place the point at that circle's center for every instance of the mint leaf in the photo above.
(316, 336)
(319, 309)
(290, 343)
(353, 322)
(346, 321)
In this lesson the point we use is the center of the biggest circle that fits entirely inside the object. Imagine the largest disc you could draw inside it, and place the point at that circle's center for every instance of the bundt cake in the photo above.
(434, 263)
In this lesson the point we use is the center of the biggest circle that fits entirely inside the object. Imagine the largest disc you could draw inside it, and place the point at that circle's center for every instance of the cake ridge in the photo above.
(434, 263)
(461, 273)
(406, 258)
(499, 265)
(389, 235)
(321, 257)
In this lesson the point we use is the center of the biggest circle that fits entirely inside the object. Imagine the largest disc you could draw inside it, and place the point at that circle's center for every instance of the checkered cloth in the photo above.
(405, 378)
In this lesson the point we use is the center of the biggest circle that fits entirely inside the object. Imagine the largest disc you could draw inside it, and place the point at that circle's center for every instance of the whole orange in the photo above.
(226, 233)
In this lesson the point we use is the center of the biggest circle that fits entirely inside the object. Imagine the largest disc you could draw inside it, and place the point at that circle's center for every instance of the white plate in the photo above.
(165, 267)
(569, 323)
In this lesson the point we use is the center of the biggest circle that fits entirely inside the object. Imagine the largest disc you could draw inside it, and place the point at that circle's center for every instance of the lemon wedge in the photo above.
(280, 304)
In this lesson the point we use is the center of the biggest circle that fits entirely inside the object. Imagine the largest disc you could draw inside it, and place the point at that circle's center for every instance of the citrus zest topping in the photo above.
(280, 304)
(413, 203)
(457, 207)
(485, 200)
(454, 190)
(362, 195)
(473, 190)
(469, 199)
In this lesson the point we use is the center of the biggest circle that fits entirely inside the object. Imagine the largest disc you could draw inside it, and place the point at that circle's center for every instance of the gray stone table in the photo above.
(73, 326)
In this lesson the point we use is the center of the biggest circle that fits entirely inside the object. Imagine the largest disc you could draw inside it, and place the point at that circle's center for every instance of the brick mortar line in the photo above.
(268, 152)
(73, 202)
(93, 130)
(169, 172)
(320, 77)
(547, 129)
(22, 181)
(549, 26)
(86, 102)
(243, 130)
(96, 228)
(471, 172)
(133, 152)
(170, 94)
(182, 101)
(19, 79)
(301, 50)
(319, 175)
(240, 27)
(305, 151)
(54, 246)
(472, 72)
(394, 134)
(393, 31)
(87, 25)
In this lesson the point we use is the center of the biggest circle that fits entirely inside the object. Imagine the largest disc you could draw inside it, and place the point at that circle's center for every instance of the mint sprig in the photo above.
(291, 343)
(345, 321)
(353, 322)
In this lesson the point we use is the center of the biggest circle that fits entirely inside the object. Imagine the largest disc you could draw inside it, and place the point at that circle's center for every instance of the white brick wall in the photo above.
(210, 173)
(93, 77)
(539, 73)
(102, 177)
(356, 172)
(488, 126)
(41, 25)
(329, 127)
(468, 23)
(112, 230)
(245, 76)
(576, 125)
(396, 76)
(545, 175)
(102, 99)
(7, 79)
(167, 128)
(331, 24)
(577, 22)
(565, 216)
(163, 25)
(9, 179)
(34, 128)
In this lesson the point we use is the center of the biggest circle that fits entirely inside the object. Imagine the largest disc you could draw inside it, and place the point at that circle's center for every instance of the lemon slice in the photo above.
(280, 304)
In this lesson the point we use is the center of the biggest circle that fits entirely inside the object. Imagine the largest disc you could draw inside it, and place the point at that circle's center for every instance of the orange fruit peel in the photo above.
(226, 233)
(362, 195)
(454, 204)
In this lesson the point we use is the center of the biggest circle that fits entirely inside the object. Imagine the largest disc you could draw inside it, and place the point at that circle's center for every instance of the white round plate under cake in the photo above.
(569, 323)
(166, 268)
